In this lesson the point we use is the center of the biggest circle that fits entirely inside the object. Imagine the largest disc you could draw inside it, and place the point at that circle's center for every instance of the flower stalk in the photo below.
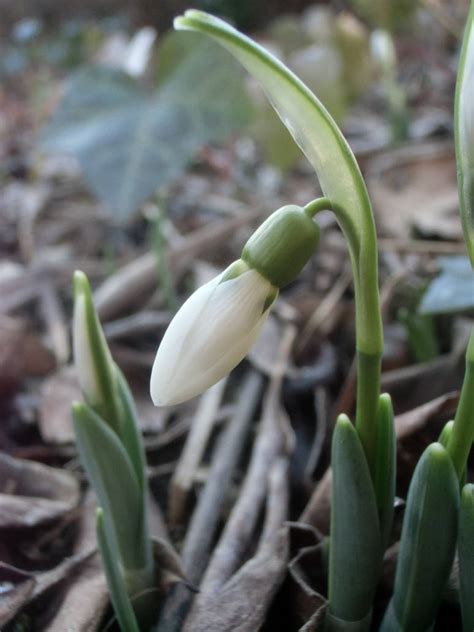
(318, 136)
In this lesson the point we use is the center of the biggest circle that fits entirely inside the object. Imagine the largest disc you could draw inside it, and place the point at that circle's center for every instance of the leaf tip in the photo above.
(80, 283)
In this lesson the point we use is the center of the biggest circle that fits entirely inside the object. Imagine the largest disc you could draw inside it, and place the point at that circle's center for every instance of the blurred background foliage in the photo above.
(119, 123)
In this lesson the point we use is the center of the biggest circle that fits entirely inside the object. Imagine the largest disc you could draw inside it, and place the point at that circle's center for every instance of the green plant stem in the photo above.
(118, 591)
(320, 204)
(368, 389)
(341, 181)
(368, 364)
(159, 247)
(462, 434)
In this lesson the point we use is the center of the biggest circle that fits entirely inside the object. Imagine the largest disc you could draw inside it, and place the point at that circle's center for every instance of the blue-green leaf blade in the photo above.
(355, 547)
(466, 557)
(385, 466)
(112, 476)
(427, 542)
(129, 431)
(115, 580)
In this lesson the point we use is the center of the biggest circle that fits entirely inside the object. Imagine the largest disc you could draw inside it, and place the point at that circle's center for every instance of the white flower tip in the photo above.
(209, 336)
(80, 283)
(82, 351)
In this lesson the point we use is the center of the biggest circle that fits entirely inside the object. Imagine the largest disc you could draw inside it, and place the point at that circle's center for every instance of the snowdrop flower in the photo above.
(383, 50)
(211, 334)
(217, 325)
(464, 128)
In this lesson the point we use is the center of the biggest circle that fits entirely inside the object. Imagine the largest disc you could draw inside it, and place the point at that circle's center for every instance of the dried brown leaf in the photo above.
(17, 587)
(417, 177)
(32, 493)
(22, 354)
(57, 394)
(241, 603)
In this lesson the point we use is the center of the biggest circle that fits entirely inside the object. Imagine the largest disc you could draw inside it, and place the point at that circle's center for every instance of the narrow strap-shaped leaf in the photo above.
(462, 433)
(427, 543)
(444, 439)
(355, 549)
(334, 624)
(320, 139)
(92, 358)
(129, 430)
(445, 434)
(115, 581)
(115, 483)
(464, 133)
(385, 466)
(466, 557)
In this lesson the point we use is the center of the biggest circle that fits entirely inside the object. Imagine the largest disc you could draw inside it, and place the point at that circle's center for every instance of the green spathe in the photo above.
(281, 247)
(427, 543)
(355, 550)
(466, 557)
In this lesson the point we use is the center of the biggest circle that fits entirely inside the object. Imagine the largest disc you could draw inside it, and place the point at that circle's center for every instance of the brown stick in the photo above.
(272, 440)
(205, 520)
(193, 451)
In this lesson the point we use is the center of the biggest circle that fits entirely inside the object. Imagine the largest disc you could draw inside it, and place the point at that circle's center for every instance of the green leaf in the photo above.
(464, 133)
(130, 142)
(462, 433)
(452, 291)
(427, 543)
(92, 358)
(445, 434)
(421, 333)
(355, 548)
(466, 557)
(115, 581)
(385, 466)
(318, 136)
(129, 431)
(112, 476)
(334, 624)
(445, 438)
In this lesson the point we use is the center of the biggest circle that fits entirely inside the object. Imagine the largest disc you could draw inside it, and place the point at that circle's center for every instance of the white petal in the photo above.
(209, 336)
(83, 358)
(466, 104)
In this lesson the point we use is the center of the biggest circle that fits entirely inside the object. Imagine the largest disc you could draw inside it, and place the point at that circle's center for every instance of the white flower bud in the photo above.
(466, 102)
(92, 359)
(211, 334)
(82, 349)
(383, 50)
(464, 134)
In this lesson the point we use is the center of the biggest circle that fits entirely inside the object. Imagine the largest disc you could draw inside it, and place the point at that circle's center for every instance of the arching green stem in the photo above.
(318, 205)
(368, 362)
(315, 131)
(462, 433)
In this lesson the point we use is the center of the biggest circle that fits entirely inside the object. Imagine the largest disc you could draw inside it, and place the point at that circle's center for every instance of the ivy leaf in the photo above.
(452, 291)
(130, 141)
